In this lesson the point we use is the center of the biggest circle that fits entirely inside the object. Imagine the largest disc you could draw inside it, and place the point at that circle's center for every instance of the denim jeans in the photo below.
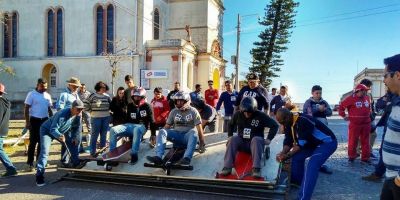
(380, 168)
(134, 131)
(4, 158)
(100, 126)
(65, 157)
(45, 143)
(182, 139)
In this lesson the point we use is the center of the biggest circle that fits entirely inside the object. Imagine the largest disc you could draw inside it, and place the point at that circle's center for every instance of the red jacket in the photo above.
(358, 108)
(160, 110)
(211, 97)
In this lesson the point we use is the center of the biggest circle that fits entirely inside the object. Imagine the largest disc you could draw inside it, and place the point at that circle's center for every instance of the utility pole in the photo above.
(237, 53)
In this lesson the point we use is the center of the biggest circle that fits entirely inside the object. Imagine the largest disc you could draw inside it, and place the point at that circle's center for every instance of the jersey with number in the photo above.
(259, 93)
(141, 114)
(184, 120)
(253, 126)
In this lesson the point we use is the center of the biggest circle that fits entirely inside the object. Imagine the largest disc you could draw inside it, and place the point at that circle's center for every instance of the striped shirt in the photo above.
(391, 142)
(98, 105)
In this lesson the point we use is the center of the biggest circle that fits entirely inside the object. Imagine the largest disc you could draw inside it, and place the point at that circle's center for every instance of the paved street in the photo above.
(345, 183)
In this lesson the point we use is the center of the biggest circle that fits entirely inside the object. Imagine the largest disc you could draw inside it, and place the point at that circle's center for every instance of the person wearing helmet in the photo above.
(305, 137)
(256, 90)
(359, 111)
(139, 118)
(250, 123)
(183, 128)
(208, 114)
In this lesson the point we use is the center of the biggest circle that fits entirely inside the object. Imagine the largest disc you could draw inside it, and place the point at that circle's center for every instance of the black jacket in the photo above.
(5, 106)
(140, 114)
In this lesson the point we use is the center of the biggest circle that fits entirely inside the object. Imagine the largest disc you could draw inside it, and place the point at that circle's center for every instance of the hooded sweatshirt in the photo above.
(311, 108)
(160, 110)
(5, 106)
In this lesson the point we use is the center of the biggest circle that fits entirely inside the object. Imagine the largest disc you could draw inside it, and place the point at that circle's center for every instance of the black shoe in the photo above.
(184, 161)
(351, 160)
(324, 169)
(155, 159)
(366, 162)
(9, 173)
(134, 159)
(226, 171)
(40, 181)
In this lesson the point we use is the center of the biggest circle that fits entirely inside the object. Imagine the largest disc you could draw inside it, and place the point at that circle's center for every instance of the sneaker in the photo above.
(155, 159)
(295, 184)
(226, 171)
(183, 161)
(134, 159)
(40, 181)
(351, 160)
(152, 141)
(256, 172)
(372, 177)
(9, 173)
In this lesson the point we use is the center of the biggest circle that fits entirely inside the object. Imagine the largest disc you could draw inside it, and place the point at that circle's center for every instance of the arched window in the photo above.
(10, 35)
(156, 24)
(55, 38)
(110, 29)
(50, 33)
(53, 77)
(60, 32)
(104, 29)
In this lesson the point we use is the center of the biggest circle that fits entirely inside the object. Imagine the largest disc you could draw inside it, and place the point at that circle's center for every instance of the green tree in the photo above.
(278, 21)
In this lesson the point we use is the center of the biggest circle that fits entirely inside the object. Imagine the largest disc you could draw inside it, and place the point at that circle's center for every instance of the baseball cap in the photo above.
(2, 88)
(78, 104)
(361, 87)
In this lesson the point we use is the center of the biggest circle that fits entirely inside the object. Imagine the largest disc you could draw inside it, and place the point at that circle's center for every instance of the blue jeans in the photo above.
(4, 158)
(45, 143)
(100, 126)
(308, 175)
(380, 168)
(182, 139)
(134, 131)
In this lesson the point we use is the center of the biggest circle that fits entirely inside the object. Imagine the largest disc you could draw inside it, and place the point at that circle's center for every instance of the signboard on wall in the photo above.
(148, 74)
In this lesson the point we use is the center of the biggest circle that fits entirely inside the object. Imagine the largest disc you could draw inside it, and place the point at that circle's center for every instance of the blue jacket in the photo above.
(62, 123)
(309, 133)
(66, 99)
(229, 101)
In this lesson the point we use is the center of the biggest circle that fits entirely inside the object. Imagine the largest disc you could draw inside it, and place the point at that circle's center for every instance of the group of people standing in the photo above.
(181, 117)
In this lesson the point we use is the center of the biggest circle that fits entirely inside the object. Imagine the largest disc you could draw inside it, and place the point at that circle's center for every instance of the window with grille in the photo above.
(156, 25)
(10, 35)
(53, 77)
(104, 29)
(55, 34)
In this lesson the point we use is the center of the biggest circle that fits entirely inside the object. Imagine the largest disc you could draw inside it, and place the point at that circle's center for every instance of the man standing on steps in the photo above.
(255, 90)
(177, 87)
(37, 110)
(130, 87)
(211, 95)
(5, 107)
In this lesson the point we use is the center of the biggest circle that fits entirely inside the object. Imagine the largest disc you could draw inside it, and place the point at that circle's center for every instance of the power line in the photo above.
(350, 13)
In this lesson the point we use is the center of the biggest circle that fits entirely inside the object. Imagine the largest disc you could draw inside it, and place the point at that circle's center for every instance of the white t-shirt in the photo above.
(39, 102)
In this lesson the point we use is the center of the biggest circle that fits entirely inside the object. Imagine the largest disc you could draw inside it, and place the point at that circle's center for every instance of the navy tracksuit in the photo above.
(316, 142)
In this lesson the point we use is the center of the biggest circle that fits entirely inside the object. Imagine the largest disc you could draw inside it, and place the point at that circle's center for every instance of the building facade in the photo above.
(157, 41)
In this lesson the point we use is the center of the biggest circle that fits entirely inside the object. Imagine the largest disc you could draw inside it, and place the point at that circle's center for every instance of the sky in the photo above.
(332, 42)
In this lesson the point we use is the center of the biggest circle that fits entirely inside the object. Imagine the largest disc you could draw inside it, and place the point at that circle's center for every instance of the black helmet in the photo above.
(248, 104)
(198, 103)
